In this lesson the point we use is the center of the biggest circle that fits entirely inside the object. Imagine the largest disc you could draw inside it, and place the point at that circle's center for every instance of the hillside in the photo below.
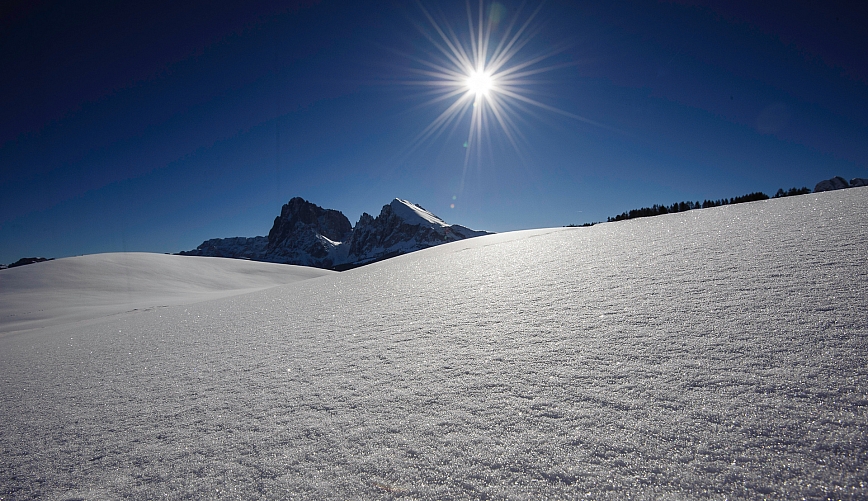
(99, 285)
(713, 354)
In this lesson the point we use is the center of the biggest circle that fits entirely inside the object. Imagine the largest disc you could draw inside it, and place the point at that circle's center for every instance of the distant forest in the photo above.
(658, 210)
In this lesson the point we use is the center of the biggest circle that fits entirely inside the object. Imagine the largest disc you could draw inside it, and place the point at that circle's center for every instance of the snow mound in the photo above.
(712, 354)
(98, 285)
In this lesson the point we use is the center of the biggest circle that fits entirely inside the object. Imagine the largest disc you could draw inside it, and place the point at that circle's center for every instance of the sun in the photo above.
(488, 71)
(480, 83)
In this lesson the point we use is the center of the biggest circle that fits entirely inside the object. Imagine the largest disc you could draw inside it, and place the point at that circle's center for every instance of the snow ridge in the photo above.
(415, 214)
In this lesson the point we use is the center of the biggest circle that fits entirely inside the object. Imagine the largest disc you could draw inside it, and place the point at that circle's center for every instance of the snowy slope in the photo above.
(414, 214)
(711, 354)
(99, 285)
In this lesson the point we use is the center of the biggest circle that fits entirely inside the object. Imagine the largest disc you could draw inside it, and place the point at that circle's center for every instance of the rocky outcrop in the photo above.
(839, 183)
(400, 228)
(836, 183)
(252, 248)
(25, 261)
(306, 234)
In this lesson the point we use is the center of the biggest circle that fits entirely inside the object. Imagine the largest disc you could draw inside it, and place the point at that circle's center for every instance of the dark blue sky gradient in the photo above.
(154, 127)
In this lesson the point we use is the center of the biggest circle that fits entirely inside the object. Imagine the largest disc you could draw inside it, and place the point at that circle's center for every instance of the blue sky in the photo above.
(155, 127)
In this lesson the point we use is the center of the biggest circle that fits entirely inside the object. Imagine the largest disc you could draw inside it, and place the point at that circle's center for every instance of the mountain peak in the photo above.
(307, 234)
(415, 214)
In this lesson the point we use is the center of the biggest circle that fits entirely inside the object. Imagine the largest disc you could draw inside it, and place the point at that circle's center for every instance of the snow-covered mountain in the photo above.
(306, 234)
(253, 248)
(401, 227)
(839, 183)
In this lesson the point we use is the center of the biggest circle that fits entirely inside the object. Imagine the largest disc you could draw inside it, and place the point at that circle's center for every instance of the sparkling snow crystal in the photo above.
(712, 354)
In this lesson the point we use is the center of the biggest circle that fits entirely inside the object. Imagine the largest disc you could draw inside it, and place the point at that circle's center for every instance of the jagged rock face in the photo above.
(297, 234)
(836, 183)
(372, 237)
(300, 214)
(306, 234)
(398, 230)
(234, 247)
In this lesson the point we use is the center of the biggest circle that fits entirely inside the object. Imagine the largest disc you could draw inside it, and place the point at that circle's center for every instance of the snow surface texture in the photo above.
(712, 354)
(88, 287)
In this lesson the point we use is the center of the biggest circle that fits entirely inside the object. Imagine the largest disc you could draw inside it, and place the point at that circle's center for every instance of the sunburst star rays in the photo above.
(490, 72)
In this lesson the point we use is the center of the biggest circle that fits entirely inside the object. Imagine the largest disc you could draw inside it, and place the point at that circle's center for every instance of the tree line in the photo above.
(792, 191)
(657, 210)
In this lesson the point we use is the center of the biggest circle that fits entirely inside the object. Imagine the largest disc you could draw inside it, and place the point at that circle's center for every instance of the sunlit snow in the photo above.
(413, 214)
(712, 354)
(94, 286)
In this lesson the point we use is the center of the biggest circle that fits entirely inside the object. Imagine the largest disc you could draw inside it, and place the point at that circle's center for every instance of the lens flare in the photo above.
(487, 72)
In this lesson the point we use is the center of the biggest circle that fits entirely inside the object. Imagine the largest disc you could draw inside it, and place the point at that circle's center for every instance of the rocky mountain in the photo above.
(235, 247)
(306, 234)
(400, 228)
(25, 261)
(839, 183)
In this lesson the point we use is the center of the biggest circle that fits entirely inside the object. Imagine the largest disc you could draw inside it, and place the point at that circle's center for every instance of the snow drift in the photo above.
(713, 354)
(98, 285)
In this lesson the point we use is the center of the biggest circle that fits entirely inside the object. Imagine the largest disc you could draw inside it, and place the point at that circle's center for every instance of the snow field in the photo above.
(90, 287)
(712, 354)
